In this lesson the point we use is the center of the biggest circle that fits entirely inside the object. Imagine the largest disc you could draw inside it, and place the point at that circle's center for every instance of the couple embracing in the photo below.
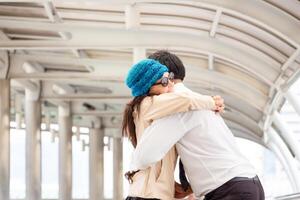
(166, 119)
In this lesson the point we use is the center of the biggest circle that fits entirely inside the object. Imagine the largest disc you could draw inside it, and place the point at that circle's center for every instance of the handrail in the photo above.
(288, 197)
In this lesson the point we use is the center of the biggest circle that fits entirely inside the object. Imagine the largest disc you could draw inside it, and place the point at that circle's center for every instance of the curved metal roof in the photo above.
(246, 51)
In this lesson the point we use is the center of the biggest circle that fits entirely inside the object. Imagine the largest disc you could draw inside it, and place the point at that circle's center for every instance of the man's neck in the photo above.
(177, 81)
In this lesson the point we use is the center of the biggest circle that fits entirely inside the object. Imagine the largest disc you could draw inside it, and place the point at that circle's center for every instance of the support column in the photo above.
(289, 160)
(287, 134)
(65, 152)
(18, 110)
(118, 168)
(96, 161)
(139, 53)
(4, 138)
(132, 21)
(33, 144)
(132, 17)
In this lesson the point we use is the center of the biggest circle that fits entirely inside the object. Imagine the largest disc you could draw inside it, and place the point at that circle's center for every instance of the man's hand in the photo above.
(180, 193)
(219, 102)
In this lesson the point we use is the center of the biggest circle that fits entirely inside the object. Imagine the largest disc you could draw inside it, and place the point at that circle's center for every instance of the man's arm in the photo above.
(160, 137)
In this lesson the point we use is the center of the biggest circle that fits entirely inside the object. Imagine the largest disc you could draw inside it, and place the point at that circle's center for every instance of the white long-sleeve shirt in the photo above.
(157, 181)
(205, 144)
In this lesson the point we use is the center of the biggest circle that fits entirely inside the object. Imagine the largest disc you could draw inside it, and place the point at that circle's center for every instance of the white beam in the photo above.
(289, 159)
(50, 11)
(256, 12)
(287, 134)
(4, 139)
(260, 11)
(122, 38)
(292, 99)
(68, 60)
(132, 17)
(139, 53)
(229, 84)
(215, 24)
(32, 36)
(62, 89)
(103, 65)
(32, 68)
(54, 17)
(30, 85)
(66, 76)
(291, 59)
(81, 53)
(283, 160)
(132, 22)
(27, 84)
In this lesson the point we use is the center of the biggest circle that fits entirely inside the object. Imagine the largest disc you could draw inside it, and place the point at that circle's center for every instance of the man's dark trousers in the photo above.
(239, 188)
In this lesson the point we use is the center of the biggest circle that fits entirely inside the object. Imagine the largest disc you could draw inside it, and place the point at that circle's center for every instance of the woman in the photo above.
(151, 85)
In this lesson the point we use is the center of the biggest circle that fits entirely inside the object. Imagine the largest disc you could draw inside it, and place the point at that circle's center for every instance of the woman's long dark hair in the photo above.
(128, 125)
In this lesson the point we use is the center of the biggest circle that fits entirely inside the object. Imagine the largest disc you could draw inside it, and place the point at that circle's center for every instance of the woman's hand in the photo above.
(219, 103)
(180, 193)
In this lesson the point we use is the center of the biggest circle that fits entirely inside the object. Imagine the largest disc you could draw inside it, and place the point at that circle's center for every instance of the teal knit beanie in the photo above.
(143, 75)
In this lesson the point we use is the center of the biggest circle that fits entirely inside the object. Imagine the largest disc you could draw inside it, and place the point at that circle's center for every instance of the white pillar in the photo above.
(47, 121)
(4, 138)
(132, 21)
(292, 99)
(139, 53)
(287, 156)
(132, 17)
(287, 134)
(18, 110)
(33, 145)
(96, 161)
(118, 168)
(65, 152)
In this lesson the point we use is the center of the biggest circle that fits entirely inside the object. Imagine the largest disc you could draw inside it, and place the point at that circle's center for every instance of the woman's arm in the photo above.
(171, 103)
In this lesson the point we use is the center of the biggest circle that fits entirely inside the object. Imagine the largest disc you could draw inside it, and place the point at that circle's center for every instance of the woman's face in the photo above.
(159, 88)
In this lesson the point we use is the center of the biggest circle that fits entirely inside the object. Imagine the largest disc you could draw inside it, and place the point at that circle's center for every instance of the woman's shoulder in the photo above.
(146, 102)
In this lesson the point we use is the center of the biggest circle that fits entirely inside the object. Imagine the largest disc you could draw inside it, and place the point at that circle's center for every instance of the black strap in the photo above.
(129, 175)
(183, 180)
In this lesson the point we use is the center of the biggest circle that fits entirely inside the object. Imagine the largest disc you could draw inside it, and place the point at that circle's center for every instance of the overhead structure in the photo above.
(78, 53)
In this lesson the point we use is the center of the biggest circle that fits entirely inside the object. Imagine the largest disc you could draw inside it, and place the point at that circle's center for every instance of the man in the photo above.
(215, 167)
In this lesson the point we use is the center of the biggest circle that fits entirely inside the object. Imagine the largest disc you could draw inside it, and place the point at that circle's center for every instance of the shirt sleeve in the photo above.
(170, 103)
(159, 138)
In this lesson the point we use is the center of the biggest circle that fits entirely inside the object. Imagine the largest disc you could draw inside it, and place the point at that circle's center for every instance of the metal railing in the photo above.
(288, 197)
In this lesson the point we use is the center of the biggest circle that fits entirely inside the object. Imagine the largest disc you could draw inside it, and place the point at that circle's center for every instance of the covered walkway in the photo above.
(64, 62)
